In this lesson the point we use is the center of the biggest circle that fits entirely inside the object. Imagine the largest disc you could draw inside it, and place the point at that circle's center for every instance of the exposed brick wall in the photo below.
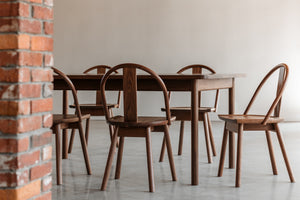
(26, 45)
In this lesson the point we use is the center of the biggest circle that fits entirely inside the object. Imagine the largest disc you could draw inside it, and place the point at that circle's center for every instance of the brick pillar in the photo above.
(26, 47)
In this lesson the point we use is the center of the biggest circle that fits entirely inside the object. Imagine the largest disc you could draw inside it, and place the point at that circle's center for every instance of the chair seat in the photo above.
(249, 119)
(141, 121)
(70, 118)
(95, 106)
(188, 109)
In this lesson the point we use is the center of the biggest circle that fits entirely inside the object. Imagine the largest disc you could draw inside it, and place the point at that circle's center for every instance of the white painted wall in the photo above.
(231, 36)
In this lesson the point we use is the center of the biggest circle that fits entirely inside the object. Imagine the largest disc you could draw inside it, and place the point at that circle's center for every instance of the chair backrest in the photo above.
(201, 69)
(282, 79)
(72, 88)
(130, 90)
(101, 69)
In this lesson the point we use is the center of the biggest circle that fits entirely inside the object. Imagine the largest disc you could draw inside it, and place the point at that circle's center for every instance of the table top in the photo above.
(173, 82)
(163, 76)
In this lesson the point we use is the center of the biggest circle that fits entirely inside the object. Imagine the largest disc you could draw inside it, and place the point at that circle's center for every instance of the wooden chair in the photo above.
(69, 121)
(250, 122)
(184, 114)
(95, 109)
(132, 125)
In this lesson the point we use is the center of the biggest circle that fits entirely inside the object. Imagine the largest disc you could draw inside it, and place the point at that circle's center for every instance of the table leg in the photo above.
(65, 131)
(231, 144)
(194, 134)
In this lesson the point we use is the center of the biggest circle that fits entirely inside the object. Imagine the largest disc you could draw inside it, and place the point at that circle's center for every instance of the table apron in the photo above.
(148, 84)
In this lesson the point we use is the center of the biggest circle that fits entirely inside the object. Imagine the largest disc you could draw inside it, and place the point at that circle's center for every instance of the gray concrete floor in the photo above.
(257, 181)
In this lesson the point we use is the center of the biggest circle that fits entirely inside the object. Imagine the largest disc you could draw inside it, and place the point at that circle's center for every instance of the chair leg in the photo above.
(170, 154)
(71, 141)
(58, 155)
(206, 139)
(239, 156)
(111, 132)
(163, 146)
(284, 153)
(149, 161)
(87, 130)
(180, 144)
(223, 151)
(112, 128)
(211, 137)
(119, 159)
(110, 159)
(162, 151)
(84, 149)
(271, 152)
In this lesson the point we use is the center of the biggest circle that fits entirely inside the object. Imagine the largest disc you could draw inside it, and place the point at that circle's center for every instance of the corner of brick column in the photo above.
(26, 57)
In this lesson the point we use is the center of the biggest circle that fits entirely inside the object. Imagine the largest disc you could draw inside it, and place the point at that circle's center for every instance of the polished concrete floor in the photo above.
(257, 181)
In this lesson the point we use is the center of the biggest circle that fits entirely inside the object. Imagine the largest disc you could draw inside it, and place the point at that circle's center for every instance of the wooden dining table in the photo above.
(193, 83)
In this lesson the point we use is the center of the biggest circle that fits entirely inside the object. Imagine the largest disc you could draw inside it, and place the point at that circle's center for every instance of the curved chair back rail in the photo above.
(275, 106)
(130, 95)
(200, 69)
(101, 69)
(72, 88)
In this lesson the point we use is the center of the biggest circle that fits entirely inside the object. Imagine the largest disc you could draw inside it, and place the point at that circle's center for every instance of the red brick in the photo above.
(13, 145)
(20, 125)
(8, 126)
(8, 162)
(36, 1)
(8, 179)
(30, 59)
(39, 43)
(28, 159)
(42, 12)
(30, 90)
(47, 120)
(29, 124)
(8, 58)
(22, 25)
(14, 41)
(47, 90)
(41, 105)
(14, 9)
(30, 26)
(41, 75)
(9, 91)
(48, 60)
(46, 196)
(20, 91)
(47, 153)
(40, 171)
(48, 28)
(26, 192)
(9, 41)
(48, 2)
(47, 183)
(43, 139)
(14, 74)
(9, 25)
(14, 108)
